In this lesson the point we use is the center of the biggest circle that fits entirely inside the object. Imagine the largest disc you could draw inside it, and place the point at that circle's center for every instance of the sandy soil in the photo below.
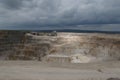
(33, 70)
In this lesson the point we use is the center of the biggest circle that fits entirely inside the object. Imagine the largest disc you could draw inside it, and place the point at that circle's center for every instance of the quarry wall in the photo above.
(64, 47)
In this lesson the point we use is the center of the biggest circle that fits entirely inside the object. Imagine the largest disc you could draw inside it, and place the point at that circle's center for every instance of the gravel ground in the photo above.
(33, 70)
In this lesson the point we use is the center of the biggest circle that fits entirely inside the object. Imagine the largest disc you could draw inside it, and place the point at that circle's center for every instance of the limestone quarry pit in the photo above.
(63, 56)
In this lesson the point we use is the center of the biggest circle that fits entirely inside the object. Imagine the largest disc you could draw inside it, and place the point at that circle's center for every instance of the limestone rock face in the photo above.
(63, 47)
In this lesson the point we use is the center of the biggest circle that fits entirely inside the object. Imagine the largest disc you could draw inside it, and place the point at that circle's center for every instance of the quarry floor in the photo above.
(34, 70)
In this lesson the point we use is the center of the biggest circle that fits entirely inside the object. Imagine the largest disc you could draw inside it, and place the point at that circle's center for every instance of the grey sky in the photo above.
(60, 14)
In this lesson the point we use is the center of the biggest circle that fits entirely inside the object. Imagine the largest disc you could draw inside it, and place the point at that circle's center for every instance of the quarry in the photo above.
(44, 55)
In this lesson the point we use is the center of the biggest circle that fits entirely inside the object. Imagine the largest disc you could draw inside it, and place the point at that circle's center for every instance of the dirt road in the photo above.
(30, 70)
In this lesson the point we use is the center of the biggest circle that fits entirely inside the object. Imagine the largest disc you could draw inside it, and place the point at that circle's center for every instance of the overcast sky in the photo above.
(60, 14)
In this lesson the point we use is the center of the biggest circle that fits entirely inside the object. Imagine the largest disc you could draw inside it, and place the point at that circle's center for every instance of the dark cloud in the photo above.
(59, 13)
(12, 4)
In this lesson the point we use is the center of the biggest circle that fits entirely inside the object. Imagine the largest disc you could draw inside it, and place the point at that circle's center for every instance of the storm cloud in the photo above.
(40, 14)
